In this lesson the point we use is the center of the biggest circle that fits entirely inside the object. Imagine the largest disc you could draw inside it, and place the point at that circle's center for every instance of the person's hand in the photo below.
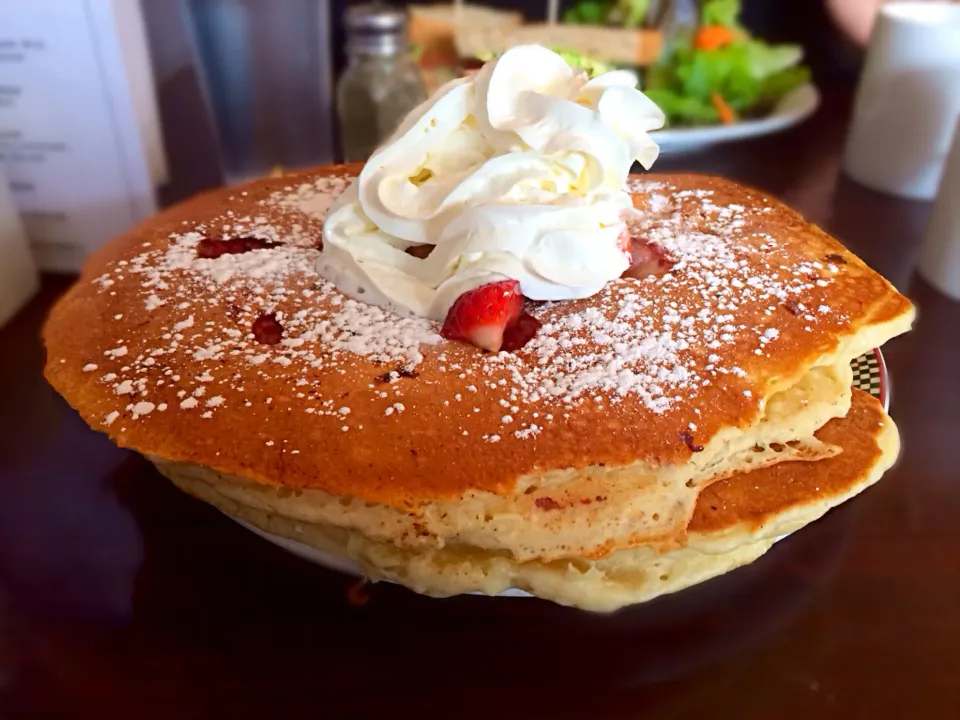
(855, 18)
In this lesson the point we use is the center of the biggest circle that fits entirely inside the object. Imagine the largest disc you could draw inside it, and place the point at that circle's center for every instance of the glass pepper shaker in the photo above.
(381, 83)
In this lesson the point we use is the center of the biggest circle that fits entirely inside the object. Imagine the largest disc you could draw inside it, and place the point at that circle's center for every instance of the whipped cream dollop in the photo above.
(518, 172)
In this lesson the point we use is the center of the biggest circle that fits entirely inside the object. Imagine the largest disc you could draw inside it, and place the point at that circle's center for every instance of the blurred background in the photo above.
(111, 109)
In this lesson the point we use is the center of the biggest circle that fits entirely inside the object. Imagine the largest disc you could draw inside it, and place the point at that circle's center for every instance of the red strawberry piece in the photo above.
(624, 242)
(481, 315)
(211, 248)
(420, 251)
(520, 333)
(647, 259)
(267, 329)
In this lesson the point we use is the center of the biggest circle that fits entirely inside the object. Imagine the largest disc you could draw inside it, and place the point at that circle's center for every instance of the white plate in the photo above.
(793, 109)
(341, 564)
(333, 562)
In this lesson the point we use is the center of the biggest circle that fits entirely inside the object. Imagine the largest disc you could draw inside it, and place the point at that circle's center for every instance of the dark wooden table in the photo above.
(121, 597)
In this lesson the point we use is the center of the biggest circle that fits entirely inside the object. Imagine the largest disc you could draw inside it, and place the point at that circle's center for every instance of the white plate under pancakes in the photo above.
(869, 375)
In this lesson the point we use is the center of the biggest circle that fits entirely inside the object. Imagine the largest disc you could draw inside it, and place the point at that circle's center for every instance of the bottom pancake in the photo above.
(544, 517)
(736, 520)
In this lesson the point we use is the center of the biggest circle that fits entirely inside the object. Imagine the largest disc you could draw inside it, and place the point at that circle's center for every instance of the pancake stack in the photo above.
(659, 433)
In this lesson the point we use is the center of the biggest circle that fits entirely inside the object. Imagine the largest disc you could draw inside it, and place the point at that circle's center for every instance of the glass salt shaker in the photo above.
(381, 83)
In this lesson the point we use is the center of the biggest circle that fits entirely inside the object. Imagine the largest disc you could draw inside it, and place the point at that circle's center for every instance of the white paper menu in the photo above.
(79, 131)
(18, 274)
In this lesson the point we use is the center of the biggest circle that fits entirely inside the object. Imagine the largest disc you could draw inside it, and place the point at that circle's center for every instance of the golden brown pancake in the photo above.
(596, 436)
(736, 520)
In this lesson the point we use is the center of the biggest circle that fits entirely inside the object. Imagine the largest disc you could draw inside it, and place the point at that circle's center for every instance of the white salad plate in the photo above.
(794, 108)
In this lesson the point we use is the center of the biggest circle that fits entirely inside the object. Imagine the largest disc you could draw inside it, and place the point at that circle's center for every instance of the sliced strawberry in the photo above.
(520, 333)
(624, 242)
(647, 259)
(482, 314)
(267, 329)
(420, 251)
(212, 248)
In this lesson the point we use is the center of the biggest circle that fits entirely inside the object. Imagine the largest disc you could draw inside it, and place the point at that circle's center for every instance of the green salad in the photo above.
(719, 74)
(713, 73)
(625, 13)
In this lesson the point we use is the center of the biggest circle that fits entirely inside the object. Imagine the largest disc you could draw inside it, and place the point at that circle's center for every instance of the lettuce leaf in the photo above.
(766, 60)
(721, 12)
(577, 59)
(750, 75)
(660, 76)
(588, 12)
(626, 13)
(630, 13)
(725, 71)
(779, 84)
(683, 109)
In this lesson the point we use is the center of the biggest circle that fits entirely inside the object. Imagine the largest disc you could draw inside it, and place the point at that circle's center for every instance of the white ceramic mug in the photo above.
(908, 100)
(940, 256)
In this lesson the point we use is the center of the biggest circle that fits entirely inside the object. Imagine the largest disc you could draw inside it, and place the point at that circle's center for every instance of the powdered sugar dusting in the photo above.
(661, 341)
(313, 198)
(656, 342)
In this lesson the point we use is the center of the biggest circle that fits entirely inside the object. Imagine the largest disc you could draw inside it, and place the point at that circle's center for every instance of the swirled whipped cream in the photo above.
(516, 173)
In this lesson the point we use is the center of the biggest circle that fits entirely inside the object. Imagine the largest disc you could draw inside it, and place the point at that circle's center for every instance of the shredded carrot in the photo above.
(727, 114)
(714, 37)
